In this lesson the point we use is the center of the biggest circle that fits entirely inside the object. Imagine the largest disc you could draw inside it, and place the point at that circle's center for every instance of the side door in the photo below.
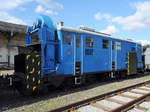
(113, 55)
(77, 54)
(68, 52)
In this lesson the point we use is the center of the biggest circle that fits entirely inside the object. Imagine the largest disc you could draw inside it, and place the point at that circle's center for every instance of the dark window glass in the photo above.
(88, 51)
(113, 45)
(89, 42)
(78, 41)
(133, 49)
(139, 48)
(67, 38)
(105, 44)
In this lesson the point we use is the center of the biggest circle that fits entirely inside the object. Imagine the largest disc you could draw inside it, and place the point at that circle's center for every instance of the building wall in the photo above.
(9, 47)
(3, 49)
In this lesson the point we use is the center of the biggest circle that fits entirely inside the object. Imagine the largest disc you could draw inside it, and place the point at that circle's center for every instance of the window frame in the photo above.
(118, 45)
(78, 41)
(113, 45)
(89, 42)
(66, 40)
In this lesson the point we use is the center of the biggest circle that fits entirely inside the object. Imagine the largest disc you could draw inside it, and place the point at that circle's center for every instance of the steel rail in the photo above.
(129, 105)
(76, 105)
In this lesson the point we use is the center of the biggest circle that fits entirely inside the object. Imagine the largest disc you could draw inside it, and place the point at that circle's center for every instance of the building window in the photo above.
(105, 44)
(89, 42)
(77, 41)
(113, 45)
(66, 38)
(118, 44)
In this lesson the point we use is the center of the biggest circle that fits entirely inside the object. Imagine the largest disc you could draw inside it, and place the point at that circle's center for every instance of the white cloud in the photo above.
(40, 9)
(99, 16)
(7, 5)
(4, 16)
(50, 4)
(143, 42)
(139, 20)
(11, 4)
(110, 30)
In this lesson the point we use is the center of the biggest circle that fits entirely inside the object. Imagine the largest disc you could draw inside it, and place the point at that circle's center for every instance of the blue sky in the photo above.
(120, 18)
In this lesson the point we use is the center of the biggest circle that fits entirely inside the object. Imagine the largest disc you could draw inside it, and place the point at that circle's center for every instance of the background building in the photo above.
(11, 36)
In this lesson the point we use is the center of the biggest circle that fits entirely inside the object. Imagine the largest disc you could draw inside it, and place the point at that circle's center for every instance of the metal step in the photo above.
(78, 80)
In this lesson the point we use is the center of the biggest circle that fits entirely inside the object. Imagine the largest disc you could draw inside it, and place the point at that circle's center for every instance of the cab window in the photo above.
(66, 38)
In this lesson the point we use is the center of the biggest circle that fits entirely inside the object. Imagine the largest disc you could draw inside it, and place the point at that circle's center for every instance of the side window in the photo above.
(77, 41)
(88, 51)
(118, 45)
(138, 48)
(105, 44)
(66, 38)
(89, 42)
(113, 45)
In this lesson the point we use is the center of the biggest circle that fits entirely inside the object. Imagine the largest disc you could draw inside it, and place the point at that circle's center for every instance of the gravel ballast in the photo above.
(64, 98)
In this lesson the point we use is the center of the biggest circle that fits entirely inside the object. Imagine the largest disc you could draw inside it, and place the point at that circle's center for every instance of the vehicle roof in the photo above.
(77, 30)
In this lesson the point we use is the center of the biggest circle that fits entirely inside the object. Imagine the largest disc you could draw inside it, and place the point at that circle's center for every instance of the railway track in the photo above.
(12, 100)
(134, 98)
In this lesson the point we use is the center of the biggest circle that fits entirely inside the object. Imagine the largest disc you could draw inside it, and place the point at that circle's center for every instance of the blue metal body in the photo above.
(58, 58)
(46, 34)
(101, 60)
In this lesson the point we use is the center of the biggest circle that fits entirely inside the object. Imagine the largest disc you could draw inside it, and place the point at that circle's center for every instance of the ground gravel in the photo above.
(63, 98)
